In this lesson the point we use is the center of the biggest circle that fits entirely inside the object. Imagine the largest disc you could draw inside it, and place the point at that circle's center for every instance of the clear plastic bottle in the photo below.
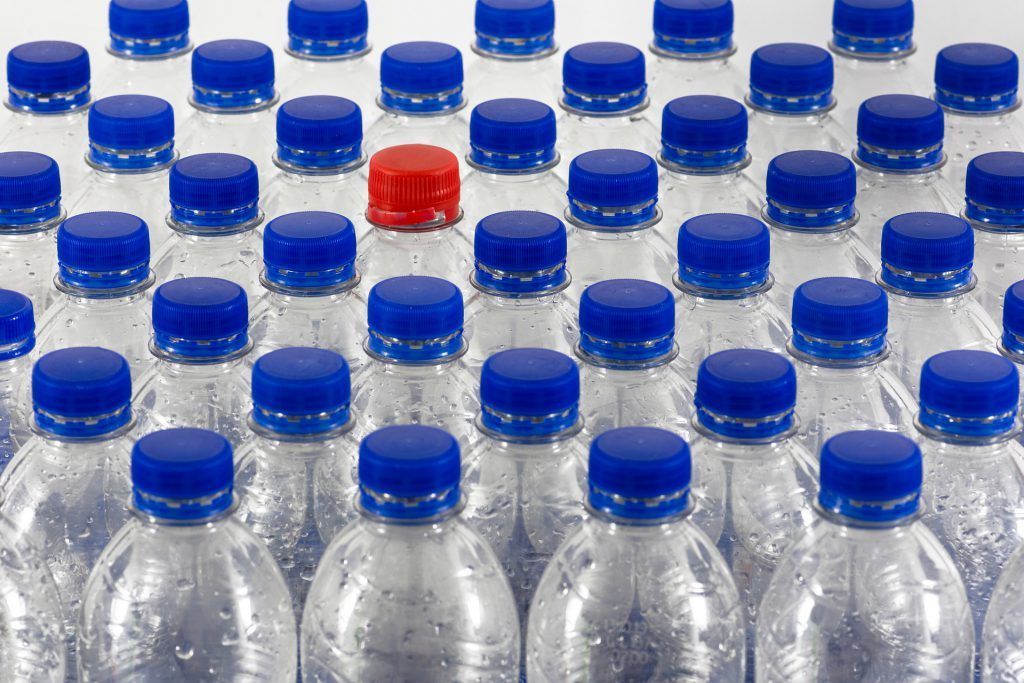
(415, 374)
(66, 491)
(131, 150)
(232, 102)
(926, 271)
(758, 481)
(868, 592)
(515, 51)
(692, 51)
(790, 102)
(724, 286)
(638, 592)
(899, 157)
(520, 281)
(102, 284)
(409, 590)
(17, 339)
(842, 361)
(214, 215)
(295, 478)
(614, 213)
(185, 591)
(200, 378)
(812, 216)
(311, 288)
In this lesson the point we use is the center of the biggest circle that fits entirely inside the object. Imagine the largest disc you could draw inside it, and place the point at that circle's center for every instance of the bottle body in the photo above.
(686, 195)
(15, 410)
(496, 323)
(447, 129)
(625, 395)
(486, 193)
(595, 255)
(354, 78)
(880, 196)
(579, 133)
(1002, 636)
(343, 193)
(140, 194)
(236, 257)
(490, 78)
(674, 77)
(771, 134)
(707, 325)
(168, 78)
(250, 134)
(969, 135)
(28, 261)
(859, 79)
(63, 137)
(441, 252)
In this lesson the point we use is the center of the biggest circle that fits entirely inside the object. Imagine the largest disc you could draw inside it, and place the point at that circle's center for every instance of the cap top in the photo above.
(604, 77)
(200, 317)
(104, 250)
(840, 318)
(301, 391)
(48, 76)
(696, 29)
(529, 392)
(29, 190)
(421, 77)
(182, 474)
(811, 190)
(214, 191)
(627, 321)
(320, 132)
(233, 75)
(746, 394)
(310, 250)
(327, 29)
(640, 473)
(870, 476)
(969, 393)
(148, 28)
(900, 132)
(17, 325)
(81, 392)
(926, 252)
(520, 252)
(723, 251)
(413, 187)
(976, 78)
(791, 78)
(415, 318)
(512, 135)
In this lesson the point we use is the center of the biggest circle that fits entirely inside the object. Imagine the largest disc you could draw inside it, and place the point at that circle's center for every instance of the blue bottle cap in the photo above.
(131, 133)
(29, 191)
(414, 318)
(103, 250)
(231, 75)
(901, 133)
(873, 29)
(409, 472)
(81, 392)
(791, 78)
(529, 393)
(1013, 319)
(725, 252)
(17, 325)
(746, 394)
(47, 77)
(311, 251)
(215, 192)
(200, 318)
(705, 133)
(811, 190)
(148, 29)
(327, 29)
(182, 474)
(976, 78)
(995, 190)
(301, 391)
(627, 321)
(640, 473)
(927, 253)
(520, 252)
(604, 78)
(969, 393)
(319, 134)
(613, 188)
(512, 136)
(693, 29)
(870, 476)
(421, 77)
(840, 318)
(515, 28)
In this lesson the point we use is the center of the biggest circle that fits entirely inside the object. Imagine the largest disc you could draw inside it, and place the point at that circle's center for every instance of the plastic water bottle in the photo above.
(310, 285)
(131, 150)
(415, 374)
(724, 287)
(899, 157)
(211, 598)
(968, 432)
(409, 590)
(412, 216)
(214, 215)
(17, 339)
(810, 210)
(926, 271)
(790, 102)
(1001, 641)
(638, 592)
(756, 480)
(320, 160)
(521, 281)
(692, 51)
(232, 100)
(604, 100)
(102, 284)
(704, 160)
(295, 478)
(66, 490)
(516, 54)
(328, 52)
(843, 362)
(614, 212)
(49, 95)
(868, 593)
(200, 377)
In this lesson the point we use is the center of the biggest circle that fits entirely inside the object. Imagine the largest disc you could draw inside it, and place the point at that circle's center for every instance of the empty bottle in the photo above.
(200, 344)
(926, 271)
(724, 289)
(211, 598)
(295, 478)
(842, 362)
(409, 590)
(66, 490)
(868, 592)
(638, 592)
(17, 339)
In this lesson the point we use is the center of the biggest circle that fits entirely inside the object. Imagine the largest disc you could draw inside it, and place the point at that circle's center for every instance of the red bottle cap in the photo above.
(413, 187)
